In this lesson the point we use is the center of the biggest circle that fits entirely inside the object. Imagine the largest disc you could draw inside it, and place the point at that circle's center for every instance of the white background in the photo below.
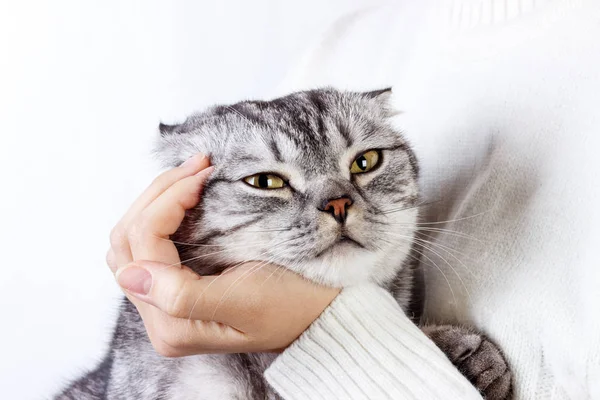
(83, 86)
(500, 103)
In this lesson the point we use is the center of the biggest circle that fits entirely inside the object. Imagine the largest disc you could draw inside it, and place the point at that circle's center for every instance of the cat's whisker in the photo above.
(416, 238)
(241, 278)
(435, 230)
(282, 272)
(280, 275)
(436, 240)
(454, 220)
(452, 268)
(441, 271)
(271, 260)
(271, 230)
(229, 270)
(244, 246)
(409, 239)
(424, 243)
(183, 262)
(417, 259)
(395, 210)
(442, 247)
(270, 275)
(201, 244)
(418, 224)
(440, 231)
(423, 202)
(449, 232)
(446, 248)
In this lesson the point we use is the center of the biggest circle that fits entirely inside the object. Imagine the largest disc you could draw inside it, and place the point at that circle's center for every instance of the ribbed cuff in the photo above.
(364, 347)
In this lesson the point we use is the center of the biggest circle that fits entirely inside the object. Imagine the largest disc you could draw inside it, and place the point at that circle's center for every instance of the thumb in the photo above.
(177, 291)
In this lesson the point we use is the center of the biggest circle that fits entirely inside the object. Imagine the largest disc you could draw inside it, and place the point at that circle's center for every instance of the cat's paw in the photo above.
(480, 360)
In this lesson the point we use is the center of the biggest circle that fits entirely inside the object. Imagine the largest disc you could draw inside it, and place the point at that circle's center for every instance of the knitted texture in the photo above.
(364, 347)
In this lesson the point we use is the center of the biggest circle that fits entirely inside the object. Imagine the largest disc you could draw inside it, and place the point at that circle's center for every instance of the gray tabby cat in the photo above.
(322, 184)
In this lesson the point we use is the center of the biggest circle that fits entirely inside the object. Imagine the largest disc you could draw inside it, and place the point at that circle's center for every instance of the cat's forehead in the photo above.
(309, 130)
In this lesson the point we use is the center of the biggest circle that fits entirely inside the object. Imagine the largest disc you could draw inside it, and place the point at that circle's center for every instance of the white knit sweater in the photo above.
(500, 101)
(364, 347)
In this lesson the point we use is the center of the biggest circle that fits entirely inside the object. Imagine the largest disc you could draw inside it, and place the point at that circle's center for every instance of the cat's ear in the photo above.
(173, 146)
(166, 130)
(380, 95)
(383, 99)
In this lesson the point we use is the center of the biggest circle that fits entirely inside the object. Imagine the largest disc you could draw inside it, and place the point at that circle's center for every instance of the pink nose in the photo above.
(337, 207)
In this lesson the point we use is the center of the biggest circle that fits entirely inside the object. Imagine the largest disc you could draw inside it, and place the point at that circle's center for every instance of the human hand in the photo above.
(251, 308)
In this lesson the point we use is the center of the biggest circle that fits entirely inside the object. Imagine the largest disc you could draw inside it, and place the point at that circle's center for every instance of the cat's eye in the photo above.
(365, 162)
(265, 181)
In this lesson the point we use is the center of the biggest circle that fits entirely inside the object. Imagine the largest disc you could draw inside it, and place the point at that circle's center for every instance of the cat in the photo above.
(321, 183)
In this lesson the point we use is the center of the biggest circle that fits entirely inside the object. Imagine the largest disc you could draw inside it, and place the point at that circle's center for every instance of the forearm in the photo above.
(364, 347)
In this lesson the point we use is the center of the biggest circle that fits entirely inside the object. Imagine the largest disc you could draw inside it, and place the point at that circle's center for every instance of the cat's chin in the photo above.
(341, 246)
(347, 263)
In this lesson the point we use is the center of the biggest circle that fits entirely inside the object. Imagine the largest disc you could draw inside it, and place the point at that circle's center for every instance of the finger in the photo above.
(176, 337)
(173, 336)
(119, 245)
(111, 260)
(183, 294)
(149, 234)
(119, 235)
(164, 331)
(165, 180)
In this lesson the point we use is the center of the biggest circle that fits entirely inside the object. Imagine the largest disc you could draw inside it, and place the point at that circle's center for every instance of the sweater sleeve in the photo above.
(363, 346)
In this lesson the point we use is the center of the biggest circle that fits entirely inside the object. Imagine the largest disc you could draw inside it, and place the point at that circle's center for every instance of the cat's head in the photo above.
(316, 181)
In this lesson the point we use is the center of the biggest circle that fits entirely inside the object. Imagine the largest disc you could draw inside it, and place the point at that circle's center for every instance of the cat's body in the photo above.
(283, 168)
(133, 370)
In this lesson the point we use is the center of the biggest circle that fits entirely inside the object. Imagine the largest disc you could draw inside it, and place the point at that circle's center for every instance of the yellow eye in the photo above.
(365, 162)
(265, 181)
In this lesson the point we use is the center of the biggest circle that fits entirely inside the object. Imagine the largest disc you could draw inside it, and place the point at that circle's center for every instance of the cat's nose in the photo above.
(337, 207)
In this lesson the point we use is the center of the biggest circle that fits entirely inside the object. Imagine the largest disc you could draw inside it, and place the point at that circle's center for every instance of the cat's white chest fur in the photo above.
(208, 377)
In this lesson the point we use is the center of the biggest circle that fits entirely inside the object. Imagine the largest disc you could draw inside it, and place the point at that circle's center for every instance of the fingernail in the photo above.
(192, 160)
(207, 171)
(134, 279)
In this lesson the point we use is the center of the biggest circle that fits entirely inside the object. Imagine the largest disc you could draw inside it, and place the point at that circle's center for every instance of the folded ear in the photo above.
(382, 94)
(202, 132)
(165, 129)
(383, 99)
(175, 144)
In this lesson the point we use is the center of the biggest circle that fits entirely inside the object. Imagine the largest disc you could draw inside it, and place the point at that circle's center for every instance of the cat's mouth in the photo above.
(345, 239)
(342, 241)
